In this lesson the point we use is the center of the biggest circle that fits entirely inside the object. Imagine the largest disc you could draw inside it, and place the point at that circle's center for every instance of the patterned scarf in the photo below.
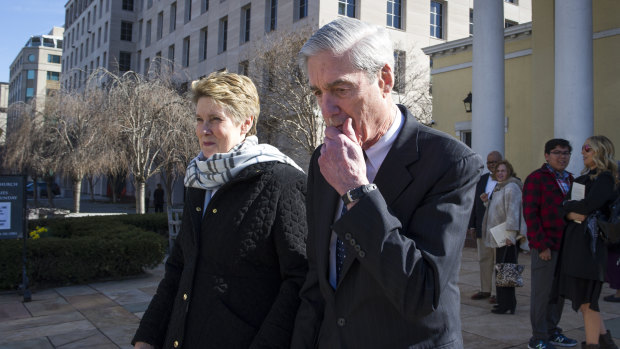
(220, 168)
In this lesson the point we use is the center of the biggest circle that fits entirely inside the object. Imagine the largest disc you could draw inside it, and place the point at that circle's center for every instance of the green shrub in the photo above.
(80, 250)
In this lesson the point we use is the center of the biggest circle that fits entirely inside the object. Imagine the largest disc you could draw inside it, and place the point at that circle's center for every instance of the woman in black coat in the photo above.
(233, 277)
(581, 267)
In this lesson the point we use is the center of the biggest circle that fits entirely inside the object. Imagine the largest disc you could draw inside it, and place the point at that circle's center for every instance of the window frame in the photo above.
(392, 16)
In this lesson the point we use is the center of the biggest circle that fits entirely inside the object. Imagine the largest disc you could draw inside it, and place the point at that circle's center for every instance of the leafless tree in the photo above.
(28, 148)
(290, 117)
(144, 109)
(80, 130)
(412, 83)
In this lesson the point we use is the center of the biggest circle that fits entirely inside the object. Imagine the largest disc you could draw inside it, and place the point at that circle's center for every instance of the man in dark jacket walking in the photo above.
(158, 197)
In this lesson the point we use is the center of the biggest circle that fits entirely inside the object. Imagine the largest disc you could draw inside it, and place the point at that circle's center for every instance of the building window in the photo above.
(394, 10)
(186, 52)
(509, 23)
(138, 61)
(128, 5)
(148, 33)
(301, 9)
(149, 4)
(147, 66)
(173, 17)
(171, 57)
(188, 10)
(471, 22)
(436, 19)
(204, 6)
(53, 58)
(124, 61)
(245, 24)
(53, 75)
(204, 33)
(160, 25)
(465, 137)
(244, 68)
(105, 33)
(272, 15)
(29, 93)
(99, 37)
(515, 2)
(223, 35)
(104, 60)
(400, 70)
(126, 29)
(30, 74)
(346, 8)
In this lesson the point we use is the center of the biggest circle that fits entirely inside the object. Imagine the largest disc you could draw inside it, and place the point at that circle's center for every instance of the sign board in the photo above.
(12, 203)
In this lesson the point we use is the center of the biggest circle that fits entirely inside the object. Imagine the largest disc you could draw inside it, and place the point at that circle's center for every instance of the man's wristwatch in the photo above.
(357, 193)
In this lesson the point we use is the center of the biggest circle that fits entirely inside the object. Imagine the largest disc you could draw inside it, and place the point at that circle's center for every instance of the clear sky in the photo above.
(20, 19)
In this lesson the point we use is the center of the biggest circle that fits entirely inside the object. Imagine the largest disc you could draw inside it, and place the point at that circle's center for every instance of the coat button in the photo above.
(341, 322)
(214, 210)
(362, 254)
(176, 344)
(197, 209)
(352, 242)
(347, 236)
(184, 296)
(358, 248)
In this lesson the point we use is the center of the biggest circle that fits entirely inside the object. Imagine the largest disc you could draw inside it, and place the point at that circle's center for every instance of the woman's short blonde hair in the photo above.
(233, 92)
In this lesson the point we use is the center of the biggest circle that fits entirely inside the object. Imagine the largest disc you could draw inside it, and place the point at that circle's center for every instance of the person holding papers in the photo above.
(583, 255)
(503, 227)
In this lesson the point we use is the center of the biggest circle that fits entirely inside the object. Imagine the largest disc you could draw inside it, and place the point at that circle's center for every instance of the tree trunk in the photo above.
(168, 180)
(77, 188)
(35, 191)
(140, 186)
(50, 196)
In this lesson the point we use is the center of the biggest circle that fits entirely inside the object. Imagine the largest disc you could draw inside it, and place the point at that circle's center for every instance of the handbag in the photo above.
(508, 274)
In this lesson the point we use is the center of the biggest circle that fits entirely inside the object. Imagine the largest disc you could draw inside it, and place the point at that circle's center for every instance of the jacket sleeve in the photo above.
(601, 190)
(532, 196)
(289, 235)
(154, 323)
(512, 202)
(310, 314)
(414, 264)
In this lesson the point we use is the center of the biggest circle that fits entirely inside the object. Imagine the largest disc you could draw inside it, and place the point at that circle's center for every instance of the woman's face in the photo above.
(501, 173)
(588, 155)
(216, 130)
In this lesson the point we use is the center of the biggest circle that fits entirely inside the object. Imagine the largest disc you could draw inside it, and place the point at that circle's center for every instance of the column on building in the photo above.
(488, 77)
(573, 103)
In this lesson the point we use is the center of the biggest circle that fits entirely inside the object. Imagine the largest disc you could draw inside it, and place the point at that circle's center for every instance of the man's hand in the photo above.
(342, 160)
(545, 255)
(573, 216)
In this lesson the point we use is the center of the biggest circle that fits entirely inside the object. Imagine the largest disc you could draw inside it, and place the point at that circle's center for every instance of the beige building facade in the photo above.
(36, 70)
(202, 36)
(537, 106)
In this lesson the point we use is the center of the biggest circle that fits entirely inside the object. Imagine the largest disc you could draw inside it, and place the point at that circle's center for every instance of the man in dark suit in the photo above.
(486, 258)
(384, 273)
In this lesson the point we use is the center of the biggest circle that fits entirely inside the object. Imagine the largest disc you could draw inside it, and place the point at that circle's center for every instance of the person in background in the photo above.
(583, 257)
(485, 185)
(504, 206)
(387, 198)
(543, 193)
(158, 198)
(233, 277)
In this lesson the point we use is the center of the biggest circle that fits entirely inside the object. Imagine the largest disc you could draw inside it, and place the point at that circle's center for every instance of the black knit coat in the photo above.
(233, 277)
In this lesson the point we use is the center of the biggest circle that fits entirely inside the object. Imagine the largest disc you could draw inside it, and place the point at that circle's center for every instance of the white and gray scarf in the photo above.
(218, 169)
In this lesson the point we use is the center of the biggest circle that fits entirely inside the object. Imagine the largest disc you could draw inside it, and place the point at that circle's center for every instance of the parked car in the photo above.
(42, 188)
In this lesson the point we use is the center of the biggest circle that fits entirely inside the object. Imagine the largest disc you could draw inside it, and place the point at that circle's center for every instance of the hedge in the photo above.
(85, 249)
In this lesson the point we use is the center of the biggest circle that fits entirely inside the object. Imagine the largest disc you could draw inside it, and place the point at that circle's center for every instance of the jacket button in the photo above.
(184, 296)
(214, 210)
(341, 322)
(176, 344)
(352, 242)
(362, 254)
(197, 209)
(347, 236)
(358, 248)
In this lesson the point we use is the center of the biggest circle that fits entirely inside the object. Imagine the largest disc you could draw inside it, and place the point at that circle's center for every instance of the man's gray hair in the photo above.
(368, 46)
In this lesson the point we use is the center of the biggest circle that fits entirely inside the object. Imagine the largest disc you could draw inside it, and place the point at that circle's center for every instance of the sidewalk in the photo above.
(106, 314)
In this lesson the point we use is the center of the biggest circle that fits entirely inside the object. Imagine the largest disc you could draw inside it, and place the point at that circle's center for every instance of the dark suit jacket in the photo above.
(477, 212)
(398, 287)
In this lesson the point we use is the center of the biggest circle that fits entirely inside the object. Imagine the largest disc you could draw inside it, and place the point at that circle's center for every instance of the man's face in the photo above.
(558, 158)
(492, 160)
(343, 91)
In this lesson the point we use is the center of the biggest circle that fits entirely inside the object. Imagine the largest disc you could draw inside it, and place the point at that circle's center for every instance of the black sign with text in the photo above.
(12, 203)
